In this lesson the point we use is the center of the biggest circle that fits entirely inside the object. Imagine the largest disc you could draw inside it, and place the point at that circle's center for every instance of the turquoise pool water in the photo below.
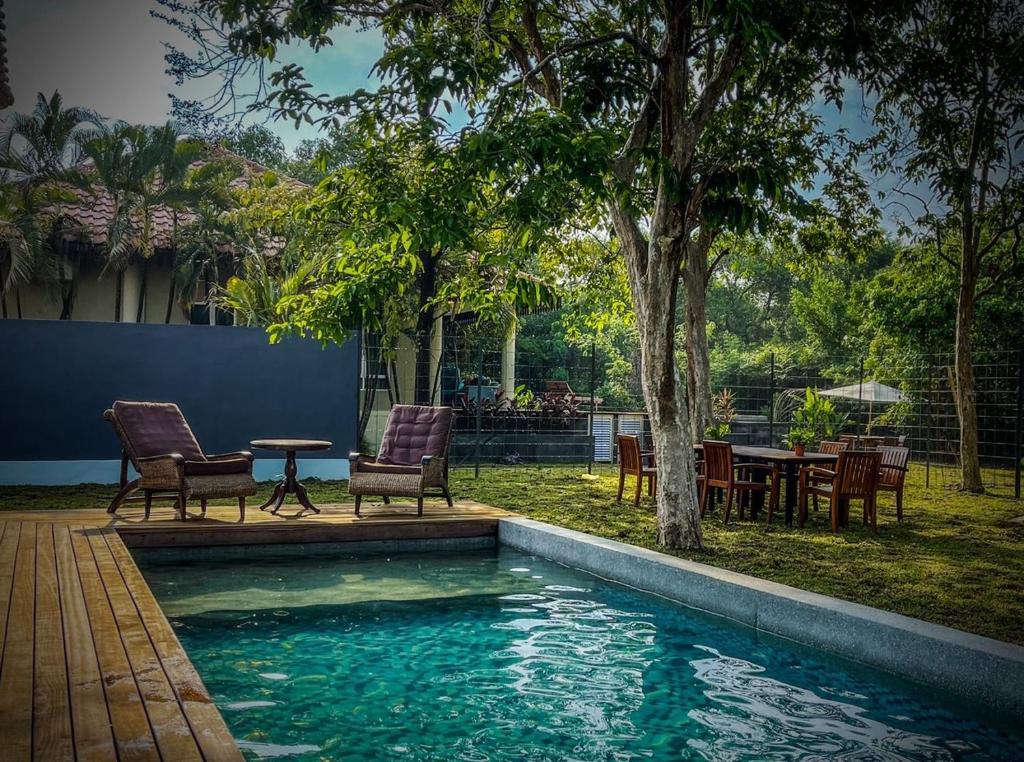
(493, 655)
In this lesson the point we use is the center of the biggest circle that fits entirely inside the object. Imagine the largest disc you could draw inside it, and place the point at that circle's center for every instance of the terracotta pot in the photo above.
(799, 450)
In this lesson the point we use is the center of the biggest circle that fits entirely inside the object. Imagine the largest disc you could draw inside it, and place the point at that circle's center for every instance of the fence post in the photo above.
(593, 406)
(479, 409)
(771, 403)
(928, 428)
(1017, 454)
(360, 349)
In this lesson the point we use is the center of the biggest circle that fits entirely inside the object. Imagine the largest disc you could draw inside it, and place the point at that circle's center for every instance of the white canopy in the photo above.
(871, 392)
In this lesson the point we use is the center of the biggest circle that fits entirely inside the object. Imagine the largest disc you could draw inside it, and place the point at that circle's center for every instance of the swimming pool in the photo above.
(492, 654)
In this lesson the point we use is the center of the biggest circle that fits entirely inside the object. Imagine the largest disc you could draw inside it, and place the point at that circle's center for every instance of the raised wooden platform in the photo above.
(91, 668)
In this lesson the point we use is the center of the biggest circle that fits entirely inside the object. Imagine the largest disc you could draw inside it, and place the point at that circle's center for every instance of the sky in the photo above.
(108, 55)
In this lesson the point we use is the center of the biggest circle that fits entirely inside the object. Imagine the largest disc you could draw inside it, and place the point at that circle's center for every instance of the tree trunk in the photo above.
(170, 301)
(654, 282)
(966, 396)
(424, 328)
(140, 310)
(698, 363)
(174, 261)
(118, 294)
(71, 294)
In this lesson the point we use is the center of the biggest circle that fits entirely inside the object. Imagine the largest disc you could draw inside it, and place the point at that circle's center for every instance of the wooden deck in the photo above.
(91, 668)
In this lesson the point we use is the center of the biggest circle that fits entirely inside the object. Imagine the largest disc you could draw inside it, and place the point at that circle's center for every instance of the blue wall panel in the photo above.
(57, 378)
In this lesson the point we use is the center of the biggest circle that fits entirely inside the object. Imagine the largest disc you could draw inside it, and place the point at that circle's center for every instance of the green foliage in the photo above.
(39, 152)
(723, 411)
(818, 417)
(800, 435)
(257, 143)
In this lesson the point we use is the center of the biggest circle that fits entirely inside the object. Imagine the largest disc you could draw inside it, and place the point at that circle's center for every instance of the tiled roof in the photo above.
(88, 217)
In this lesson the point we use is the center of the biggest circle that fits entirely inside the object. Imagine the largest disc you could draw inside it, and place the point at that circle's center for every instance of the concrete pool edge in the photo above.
(971, 666)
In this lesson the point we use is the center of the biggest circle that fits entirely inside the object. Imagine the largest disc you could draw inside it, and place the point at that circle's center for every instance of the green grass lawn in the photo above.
(956, 559)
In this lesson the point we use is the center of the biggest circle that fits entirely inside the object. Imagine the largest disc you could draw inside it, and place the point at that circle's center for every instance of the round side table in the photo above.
(290, 485)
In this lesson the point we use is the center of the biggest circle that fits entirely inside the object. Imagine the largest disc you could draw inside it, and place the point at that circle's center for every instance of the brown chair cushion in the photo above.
(216, 467)
(157, 428)
(414, 431)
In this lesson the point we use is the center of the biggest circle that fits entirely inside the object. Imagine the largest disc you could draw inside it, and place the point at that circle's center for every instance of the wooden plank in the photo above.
(132, 733)
(206, 722)
(227, 515)
(17, 666)
(90, 719)
(172, 733)
(51, 705)
(8, 552)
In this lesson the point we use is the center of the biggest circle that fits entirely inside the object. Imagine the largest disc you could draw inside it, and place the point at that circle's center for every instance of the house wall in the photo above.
(97, 293)
(231, 384)
(156, 297)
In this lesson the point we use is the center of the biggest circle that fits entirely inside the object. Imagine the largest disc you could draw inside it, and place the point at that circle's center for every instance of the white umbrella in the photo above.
(871, 392)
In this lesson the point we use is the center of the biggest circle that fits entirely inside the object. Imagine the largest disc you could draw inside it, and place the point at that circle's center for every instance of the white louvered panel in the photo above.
(602, 438)
(631, 424)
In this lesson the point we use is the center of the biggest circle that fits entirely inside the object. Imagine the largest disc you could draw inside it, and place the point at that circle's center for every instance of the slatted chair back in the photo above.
(857, 473)
(832, 448)
(894, 465)
(850, 440)
(629, 452)
(718, 464)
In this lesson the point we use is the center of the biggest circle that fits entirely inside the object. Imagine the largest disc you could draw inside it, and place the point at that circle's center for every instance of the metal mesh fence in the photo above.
(535, 401)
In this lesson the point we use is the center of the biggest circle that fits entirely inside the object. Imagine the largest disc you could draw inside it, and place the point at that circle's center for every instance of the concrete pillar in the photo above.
(132, 280)
(508, 362)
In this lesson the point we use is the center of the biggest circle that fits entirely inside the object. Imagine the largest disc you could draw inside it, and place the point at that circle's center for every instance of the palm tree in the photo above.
(141, 168)
(199, 244)
(39, 152)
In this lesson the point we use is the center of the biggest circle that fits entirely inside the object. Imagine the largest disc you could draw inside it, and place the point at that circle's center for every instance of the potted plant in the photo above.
(723, 410)
(798, 438)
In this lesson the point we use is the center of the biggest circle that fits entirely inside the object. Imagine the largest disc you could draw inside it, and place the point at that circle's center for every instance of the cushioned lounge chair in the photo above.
(157, 441)
(412, 459)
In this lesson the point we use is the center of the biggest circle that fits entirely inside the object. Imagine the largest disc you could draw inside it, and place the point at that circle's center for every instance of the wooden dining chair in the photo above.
(894, 473)
(830, 448)
(850, 440)
(720, 471)
(833, 448)
(855, 477)
(631, 461)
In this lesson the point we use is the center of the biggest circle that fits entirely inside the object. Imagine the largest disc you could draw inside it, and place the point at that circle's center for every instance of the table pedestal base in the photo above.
(289, 486)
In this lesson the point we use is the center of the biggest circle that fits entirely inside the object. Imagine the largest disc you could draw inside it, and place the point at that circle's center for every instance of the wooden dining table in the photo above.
(787, 461)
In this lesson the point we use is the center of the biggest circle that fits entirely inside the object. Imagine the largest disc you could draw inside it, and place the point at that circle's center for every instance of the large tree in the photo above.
(651, 108)
(951, 108)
